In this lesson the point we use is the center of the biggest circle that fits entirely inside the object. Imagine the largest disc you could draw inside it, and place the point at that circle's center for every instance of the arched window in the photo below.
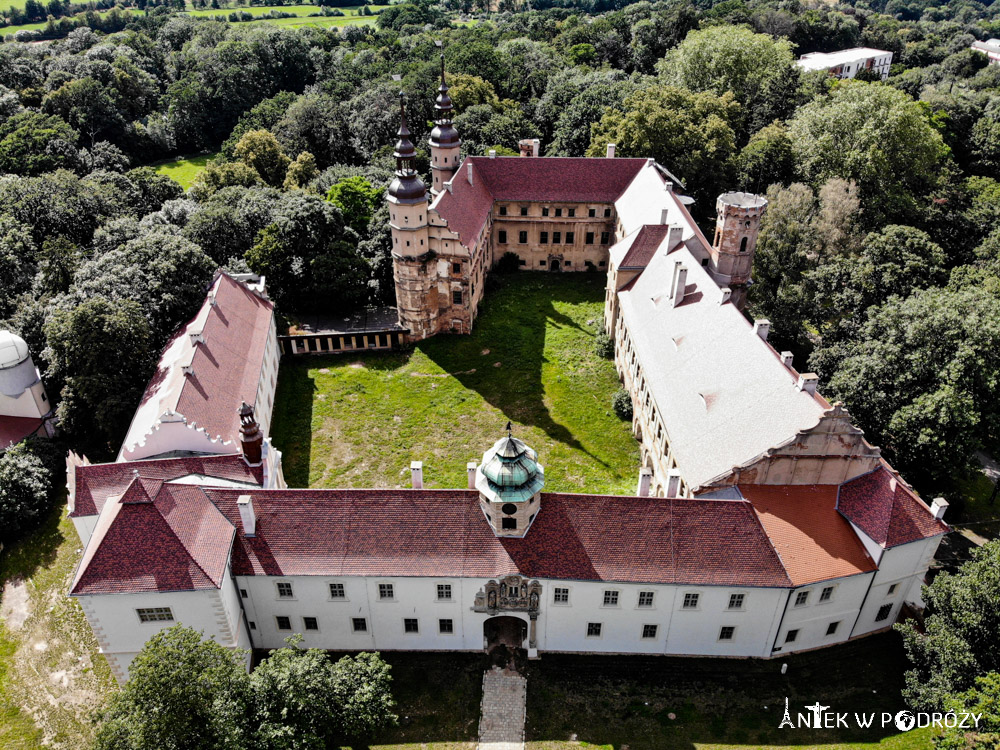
(743, 245)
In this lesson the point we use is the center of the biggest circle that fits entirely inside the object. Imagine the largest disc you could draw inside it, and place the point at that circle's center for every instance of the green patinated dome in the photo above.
(510, 472)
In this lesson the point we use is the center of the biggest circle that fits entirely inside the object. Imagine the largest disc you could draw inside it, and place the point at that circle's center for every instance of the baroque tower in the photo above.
(445, 143)
(736, 226)
(510, 482)
(412, 261)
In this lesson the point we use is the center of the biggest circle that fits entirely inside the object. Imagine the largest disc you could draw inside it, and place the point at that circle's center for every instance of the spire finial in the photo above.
(442, 69)
(509, 428)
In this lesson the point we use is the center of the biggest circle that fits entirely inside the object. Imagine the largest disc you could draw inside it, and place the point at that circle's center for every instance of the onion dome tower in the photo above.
(510, 482)
(445, 143)
(416, 286)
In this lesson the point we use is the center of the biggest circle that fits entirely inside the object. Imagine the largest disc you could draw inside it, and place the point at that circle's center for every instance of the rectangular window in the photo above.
(571, 212)
(892, 589)
(253, 625)
(508, 523)
(610, 598)
(801, 598)
(691, 601)
(645, 598)
(444, 592)
(541, 262)
(727, 632)
(649, 631)
(359, 625)
(736, 601)
(456, 268)
(545, 211)
(605, 238)
(556, 238)
(569, 238)
(446, 627)
(456, 297)
(593, 630)
(826, 594)
(558, 212)
(310, 623)
(155, 614)
(410, 625)
(544, 238)
(284, 590)
(524, 210)
(522, 237)
(284, 623)
(522, 262)
(591, 212)
(791, 635)
(607, 213)
(502, 237)
(589, 238)
(883, 612)
(243, 593)
(385, 591)
(503, 210)
(560, 596)
(832, 628)
(337, 591)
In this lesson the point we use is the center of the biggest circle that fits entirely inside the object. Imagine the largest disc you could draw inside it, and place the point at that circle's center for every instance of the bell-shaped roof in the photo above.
(406, 187)
(510, 472)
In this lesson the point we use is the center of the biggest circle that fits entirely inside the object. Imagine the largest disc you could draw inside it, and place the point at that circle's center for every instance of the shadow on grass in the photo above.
(36, 549)
(512, 325)
(291, 421)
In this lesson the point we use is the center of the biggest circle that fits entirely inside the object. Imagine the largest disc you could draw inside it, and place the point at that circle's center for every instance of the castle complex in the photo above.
(762, 523)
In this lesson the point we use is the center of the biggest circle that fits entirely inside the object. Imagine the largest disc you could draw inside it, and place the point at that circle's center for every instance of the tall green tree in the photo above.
(25, 490)
(260, 151)
(32, 143)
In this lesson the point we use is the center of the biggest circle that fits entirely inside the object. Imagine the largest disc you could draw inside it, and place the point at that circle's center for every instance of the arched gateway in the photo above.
(505, 630)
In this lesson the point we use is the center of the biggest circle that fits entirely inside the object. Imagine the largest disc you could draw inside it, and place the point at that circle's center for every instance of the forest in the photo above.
(878, 262)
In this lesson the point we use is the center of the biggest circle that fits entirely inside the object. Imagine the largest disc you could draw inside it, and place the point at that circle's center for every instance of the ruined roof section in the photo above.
(888, 511)
(95, 483)
(814, 542)
(443, 533)
(223, 348)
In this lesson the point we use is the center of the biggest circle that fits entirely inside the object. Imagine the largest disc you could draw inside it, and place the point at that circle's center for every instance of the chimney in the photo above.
(247, 515)
(679, 283)
(611, 151)
(470, 469)
(726, 294)
(664, 216)
(469, 171)
(786, 359)
(674, 237)
(417, 475)
(493, 153)
(525, 146)
(536, 146)
(645, 480)
(808, 382)
(211, 297)
(762, 326)
(893, 484)
(939, 507)
(251, 438)
(197, 337)
(673, 484)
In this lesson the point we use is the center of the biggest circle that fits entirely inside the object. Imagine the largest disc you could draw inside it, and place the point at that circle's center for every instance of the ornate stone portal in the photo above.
(511, 594)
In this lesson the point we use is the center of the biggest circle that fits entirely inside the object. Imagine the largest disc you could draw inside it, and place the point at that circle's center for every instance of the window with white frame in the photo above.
(359, 624)
(831, 629)
(727, 632)
(610, 598)
(560, 596)
(446, 626)
(826, 594)
(736, 601)
(410, 625)
(883, 612)
(691, 601)
(310, 623)
(444, 592)
(385, 591)
(283, 623)
(892, 589)
(801, 598)
(337, 591)
(649, 631)
(791, 636)
(284, 590)
(645, 598)
(593, 630)
(155, 614)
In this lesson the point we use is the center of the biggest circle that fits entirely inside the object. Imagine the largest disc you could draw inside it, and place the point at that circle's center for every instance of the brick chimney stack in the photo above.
(251, 438)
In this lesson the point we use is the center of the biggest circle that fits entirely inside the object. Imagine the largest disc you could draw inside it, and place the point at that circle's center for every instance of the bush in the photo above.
(621, 402)
(508, 263)
(604, 345)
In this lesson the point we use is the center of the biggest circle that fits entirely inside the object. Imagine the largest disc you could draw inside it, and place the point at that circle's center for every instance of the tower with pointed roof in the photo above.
(412, 260)
(510, 482)
(445, 143)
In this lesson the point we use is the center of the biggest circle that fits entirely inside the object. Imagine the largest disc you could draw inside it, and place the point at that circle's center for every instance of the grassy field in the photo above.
(51, 675)
(184, 169)
(358, 420)
(298, 10)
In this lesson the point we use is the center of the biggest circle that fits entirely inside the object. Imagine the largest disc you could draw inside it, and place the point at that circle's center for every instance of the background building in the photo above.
(848, 62)
(24, 406)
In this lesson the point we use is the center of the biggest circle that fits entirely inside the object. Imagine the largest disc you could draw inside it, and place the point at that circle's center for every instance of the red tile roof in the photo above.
(15, 429)
(568, 179)
(814, 542)
(175, 541)
(95, 483)
(644, 246)
(443, 533)
(225, 368)
(889, 515)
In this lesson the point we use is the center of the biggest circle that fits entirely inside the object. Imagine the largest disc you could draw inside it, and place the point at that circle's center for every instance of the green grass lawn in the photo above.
(320, 22)
(299, 10)
(184, 169)
(51, 675)
(357, 420)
